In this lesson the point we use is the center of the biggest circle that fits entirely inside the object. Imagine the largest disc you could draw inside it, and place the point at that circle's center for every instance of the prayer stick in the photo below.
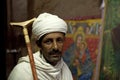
(24, 25)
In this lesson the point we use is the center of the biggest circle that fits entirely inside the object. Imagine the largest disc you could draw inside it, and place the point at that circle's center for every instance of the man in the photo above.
(50, 33)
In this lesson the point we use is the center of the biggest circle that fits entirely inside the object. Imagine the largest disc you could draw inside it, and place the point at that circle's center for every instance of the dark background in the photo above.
(3, 30)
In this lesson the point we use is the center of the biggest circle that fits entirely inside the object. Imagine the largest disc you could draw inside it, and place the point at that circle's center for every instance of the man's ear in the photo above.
(38, 43)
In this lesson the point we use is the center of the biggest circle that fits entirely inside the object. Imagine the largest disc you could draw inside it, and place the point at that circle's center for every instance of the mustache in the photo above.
(55, 51)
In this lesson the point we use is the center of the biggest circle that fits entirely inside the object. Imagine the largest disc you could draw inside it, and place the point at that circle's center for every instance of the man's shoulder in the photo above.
(27, 59)
(20, 71)
(22, 66)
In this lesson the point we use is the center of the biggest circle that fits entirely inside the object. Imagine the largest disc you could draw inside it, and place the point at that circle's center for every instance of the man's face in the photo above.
(51, 47)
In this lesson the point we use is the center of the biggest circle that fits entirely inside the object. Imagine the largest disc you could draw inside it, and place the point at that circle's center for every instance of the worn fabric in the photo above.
(46, 23)
(45, 71)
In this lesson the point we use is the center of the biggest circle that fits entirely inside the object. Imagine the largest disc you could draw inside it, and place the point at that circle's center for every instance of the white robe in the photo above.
(45, 71)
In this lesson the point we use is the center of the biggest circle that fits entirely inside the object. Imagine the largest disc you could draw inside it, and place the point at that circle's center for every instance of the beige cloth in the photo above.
(44, 70)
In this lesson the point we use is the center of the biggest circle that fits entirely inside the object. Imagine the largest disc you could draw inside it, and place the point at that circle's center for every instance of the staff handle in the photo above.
(28, 44)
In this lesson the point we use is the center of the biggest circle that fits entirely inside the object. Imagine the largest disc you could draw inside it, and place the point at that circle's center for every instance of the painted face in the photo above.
(78, 41)
(51, 47)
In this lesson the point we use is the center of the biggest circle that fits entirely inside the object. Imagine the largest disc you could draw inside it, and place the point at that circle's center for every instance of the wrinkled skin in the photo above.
(51, 47)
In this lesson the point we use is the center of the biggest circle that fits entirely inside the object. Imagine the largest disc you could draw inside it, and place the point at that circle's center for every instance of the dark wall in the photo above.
(3, 29)
(66, 8)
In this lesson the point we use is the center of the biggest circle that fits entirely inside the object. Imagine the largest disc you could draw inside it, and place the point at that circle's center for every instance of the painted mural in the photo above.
(81, 47)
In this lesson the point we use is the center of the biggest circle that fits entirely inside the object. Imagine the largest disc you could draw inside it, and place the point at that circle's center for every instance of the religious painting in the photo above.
(81, 48)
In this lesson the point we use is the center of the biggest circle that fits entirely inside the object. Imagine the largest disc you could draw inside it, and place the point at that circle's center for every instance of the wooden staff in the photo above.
(27, 41)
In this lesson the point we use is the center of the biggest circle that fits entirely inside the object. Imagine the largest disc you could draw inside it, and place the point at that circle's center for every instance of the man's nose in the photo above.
(55, 46)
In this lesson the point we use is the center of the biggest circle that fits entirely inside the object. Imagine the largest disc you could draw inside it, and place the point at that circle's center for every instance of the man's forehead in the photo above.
(54, 35)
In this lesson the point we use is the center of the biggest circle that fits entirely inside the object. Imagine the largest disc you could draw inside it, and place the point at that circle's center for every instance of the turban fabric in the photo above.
(46, 23)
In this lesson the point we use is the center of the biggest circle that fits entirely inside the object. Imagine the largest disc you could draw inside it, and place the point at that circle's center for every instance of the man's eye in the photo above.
(60, 40)
(48, 41)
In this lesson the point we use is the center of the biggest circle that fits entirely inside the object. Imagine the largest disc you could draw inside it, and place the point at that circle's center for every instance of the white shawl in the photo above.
(44, 70)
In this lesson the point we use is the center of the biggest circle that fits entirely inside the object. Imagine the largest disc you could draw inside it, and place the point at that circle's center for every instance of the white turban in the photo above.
(46, 23)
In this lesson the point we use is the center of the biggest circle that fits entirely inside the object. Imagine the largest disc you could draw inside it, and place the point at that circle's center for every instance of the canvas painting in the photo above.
(81, 49)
